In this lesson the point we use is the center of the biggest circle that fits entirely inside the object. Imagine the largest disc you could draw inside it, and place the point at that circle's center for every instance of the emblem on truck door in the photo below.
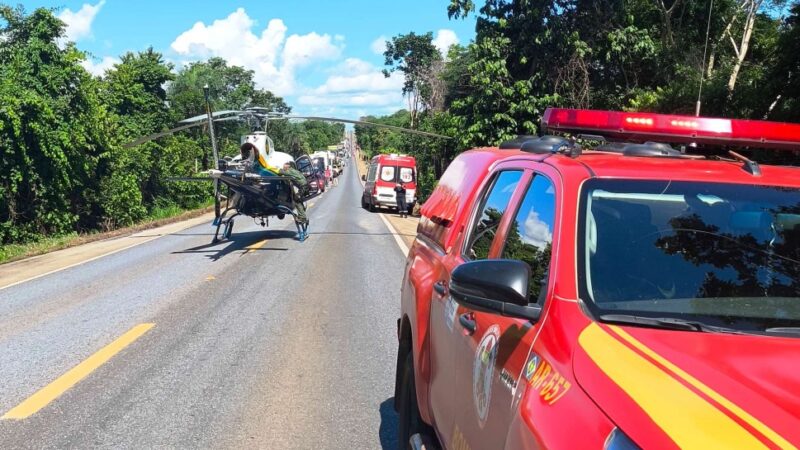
(483, 372)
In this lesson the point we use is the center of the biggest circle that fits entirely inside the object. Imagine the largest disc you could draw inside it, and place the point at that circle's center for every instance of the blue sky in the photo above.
(322, 56)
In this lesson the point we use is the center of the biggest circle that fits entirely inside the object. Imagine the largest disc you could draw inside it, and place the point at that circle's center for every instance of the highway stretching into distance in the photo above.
(257, 342)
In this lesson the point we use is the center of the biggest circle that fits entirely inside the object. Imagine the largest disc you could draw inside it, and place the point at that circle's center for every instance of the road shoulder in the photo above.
(18, 272)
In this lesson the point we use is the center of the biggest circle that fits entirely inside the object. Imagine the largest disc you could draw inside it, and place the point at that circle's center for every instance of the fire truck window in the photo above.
(387, 173)
(493, 206)
(531, 235)
(406, 174)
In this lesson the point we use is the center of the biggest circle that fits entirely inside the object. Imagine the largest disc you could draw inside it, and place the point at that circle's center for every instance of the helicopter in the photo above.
(256, 186)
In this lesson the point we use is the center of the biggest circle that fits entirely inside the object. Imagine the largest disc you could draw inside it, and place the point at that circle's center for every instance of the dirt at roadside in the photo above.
(127, 231)
(361, 165)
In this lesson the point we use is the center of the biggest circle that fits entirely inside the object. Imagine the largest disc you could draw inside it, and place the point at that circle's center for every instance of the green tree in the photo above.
(54, 130)
(230, 88)
(784, 75)
(416, 57)
(134, 92)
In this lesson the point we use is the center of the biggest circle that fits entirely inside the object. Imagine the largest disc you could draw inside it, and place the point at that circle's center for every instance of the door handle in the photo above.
(467, 321)
(440, 288)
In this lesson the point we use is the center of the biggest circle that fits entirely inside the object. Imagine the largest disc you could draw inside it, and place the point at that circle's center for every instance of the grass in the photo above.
(165, 212)
(13, 252)
(160, 215)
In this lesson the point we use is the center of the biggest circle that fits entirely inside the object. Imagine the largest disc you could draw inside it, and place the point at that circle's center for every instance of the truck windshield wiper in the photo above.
(670, 323)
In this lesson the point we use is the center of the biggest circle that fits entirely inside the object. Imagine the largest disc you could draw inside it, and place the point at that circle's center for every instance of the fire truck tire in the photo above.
(410, 422)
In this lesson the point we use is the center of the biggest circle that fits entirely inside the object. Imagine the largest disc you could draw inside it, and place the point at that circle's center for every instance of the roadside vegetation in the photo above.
(636, 55)
(157, 217)
(62, 131)
(65, 170)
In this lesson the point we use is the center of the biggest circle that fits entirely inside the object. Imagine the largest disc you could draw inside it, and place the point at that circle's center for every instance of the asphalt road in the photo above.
(255, 344)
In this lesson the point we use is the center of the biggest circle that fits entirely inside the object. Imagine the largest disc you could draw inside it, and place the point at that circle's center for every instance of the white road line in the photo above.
(190, 224)
(77, 263)
(396, 234)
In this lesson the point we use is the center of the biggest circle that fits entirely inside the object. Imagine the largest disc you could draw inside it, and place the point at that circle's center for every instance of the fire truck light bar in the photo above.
(676, 129)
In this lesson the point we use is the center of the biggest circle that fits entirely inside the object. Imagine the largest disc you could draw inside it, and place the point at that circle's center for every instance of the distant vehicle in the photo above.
(336, 163)
(315, 176)
(384, 172)
(618, 293)
(326, 158)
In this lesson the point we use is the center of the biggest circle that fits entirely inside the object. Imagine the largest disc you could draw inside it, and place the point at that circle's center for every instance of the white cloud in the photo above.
(378, 46)
(537, 232)
(353, 66)
(353, 87)
(372, 82)
(273, 56)
(99, 68)
(363, 99)
(346, 112)
(79, 24)
(357, 83)
(444, 40)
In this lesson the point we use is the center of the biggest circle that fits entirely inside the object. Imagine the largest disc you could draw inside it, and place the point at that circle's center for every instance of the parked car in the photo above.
(316, 179)
(384, 172)
(628, 294)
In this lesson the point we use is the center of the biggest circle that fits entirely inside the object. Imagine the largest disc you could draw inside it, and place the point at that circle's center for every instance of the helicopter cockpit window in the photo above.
(248, 151)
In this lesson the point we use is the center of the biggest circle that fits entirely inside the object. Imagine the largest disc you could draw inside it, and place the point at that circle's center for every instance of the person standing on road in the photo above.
(400, 192)
(328, 176)
(299, 186)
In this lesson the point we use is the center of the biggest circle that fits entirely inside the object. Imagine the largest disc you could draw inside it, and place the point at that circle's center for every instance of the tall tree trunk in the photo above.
(772, 106)
(666, 18)
(750, 20)
(713, 57)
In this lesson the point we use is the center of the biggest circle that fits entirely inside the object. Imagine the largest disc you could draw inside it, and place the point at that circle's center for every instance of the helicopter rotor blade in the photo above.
(155, 136)
(203, 179)
(152, 137)
(215, 114)
(225, 119)
(372, 124)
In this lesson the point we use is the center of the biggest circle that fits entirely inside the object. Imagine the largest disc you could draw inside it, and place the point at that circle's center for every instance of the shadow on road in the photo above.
(388, 429)
(170, 234)
(240, 242)
(350, 233)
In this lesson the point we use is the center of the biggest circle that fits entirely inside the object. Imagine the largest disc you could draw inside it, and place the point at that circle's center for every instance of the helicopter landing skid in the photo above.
(227, 222)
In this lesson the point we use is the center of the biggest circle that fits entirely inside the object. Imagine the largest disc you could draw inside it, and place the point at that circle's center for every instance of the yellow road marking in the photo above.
(686, 417)
(210, 278)
(52, 391)
(256, 246)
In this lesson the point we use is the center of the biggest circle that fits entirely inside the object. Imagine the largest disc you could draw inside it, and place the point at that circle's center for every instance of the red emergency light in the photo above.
(675, 129)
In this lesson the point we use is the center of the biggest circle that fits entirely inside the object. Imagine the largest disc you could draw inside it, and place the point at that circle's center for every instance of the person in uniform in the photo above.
(400, 192)
(299, 186)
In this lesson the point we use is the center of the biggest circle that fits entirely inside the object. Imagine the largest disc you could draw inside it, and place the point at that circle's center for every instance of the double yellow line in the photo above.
(52, 391)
